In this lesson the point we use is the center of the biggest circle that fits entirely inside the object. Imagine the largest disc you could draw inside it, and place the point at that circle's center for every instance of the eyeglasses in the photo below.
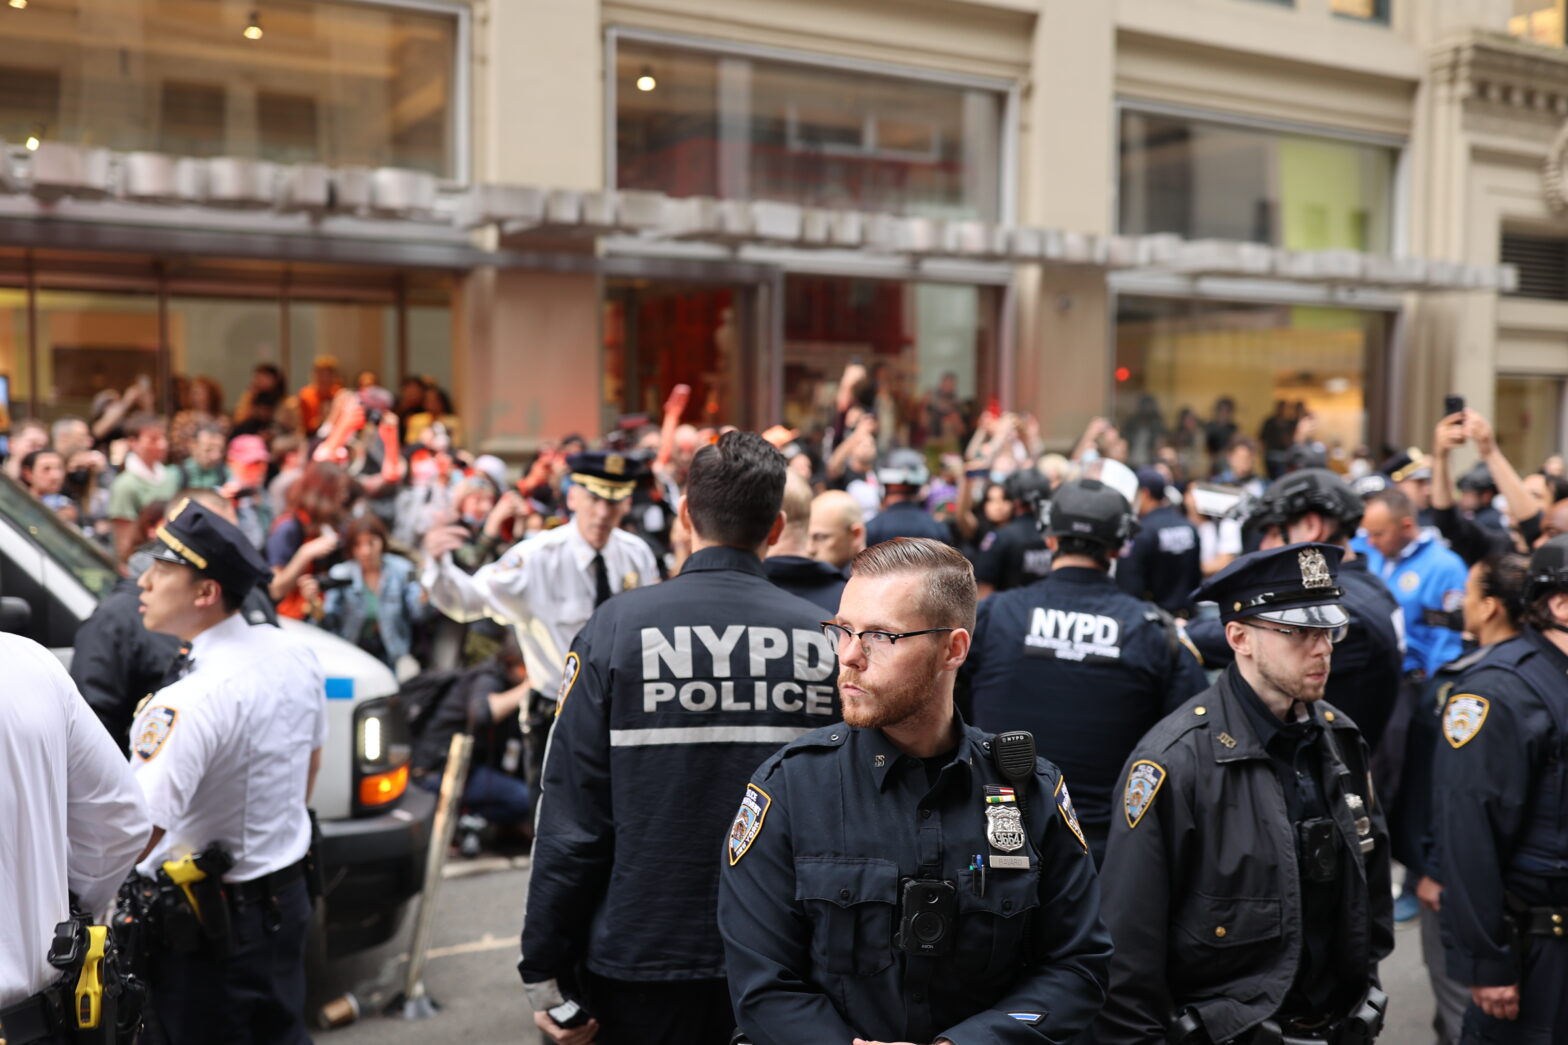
(1303, 636)
(871, 641)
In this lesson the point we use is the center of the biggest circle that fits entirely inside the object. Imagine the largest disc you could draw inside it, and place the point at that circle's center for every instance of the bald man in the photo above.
(788, 565)
(837, 531)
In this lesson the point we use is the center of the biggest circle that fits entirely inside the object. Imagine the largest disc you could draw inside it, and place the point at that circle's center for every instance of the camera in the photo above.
(928, 908)
(1317, 842)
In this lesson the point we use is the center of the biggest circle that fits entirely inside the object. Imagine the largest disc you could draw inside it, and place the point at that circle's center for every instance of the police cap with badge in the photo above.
(608, 475)
(196, 536)
(1090, 510)
(1295, 586)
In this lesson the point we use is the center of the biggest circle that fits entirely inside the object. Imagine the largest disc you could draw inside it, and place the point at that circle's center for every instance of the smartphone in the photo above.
(1453, 404)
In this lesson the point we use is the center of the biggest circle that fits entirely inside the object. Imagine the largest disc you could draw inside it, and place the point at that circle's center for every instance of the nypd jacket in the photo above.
(669, 699)
(1040, 651)
(1201, 880)
(1162, 562)
(809, 899)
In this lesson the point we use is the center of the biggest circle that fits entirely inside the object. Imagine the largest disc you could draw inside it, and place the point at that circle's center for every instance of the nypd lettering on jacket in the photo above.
(740, 667)
(1073, 635)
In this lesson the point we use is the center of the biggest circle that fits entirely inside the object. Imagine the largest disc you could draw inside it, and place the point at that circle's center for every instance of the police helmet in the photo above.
(1309, 490)
(1091, 510)
(1548, 568)
(1371, 483)
(1027, 485)
(903, 468)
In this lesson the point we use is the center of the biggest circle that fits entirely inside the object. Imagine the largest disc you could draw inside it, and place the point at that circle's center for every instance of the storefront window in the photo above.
(1177, 360)
(222, 340)
(696, 123)
(1204, 180)
(659, 335)
(1366, 10)
(1538, 20)
(328, 81)
(1529, 419)
(88, 342)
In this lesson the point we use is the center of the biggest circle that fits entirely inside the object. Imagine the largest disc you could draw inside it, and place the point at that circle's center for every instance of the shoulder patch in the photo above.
(1463, 718)
(156, 725)
(1064, 806)
(569, 672)
(748, 821)
(1143, 783)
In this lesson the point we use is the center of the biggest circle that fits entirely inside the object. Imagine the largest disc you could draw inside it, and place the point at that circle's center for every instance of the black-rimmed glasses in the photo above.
(871, 641)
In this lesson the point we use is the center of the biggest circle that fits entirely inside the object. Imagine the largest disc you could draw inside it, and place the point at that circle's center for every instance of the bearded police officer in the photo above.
(1502, 822)
(901, 876)
(1075, 660)
(1247, 876)
(669, 699)
(226, 757)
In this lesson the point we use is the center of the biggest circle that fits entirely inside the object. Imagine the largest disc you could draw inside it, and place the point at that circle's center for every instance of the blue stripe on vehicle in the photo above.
(340, 689)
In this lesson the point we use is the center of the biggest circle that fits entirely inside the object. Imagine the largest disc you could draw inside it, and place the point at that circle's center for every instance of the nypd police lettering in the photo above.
(1072, 635)
(695, 668)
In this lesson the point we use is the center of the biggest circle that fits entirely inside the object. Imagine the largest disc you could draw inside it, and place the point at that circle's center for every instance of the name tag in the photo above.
(1009, 863)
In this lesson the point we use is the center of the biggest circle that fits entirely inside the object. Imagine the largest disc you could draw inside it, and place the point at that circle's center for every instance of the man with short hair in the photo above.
(1426, 579)
(837, 531)
(787, 563)
(43, 473)
(902, 876)
(205, 467)
(143, 480)
(70, 436)
(668, 700)
(26, 436)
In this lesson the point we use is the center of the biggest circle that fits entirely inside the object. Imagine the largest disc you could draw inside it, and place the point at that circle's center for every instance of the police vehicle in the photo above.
(375, 828)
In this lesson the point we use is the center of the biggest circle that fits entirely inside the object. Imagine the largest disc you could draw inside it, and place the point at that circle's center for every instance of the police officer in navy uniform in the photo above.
(669, 698)
(1015, 554)
(227, 755)
(1085, 667)
(904, 475)
(1247, 877)
(1502, 822)
(901, 876)
(1162, 564)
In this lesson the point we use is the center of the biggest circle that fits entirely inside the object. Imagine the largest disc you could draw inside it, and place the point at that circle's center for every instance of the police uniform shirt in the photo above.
(1428, 582)
(74, 817)
(223, 754)
(1161, 563)
(544, 588)
(905, 519)
(809, 897)
(1013, 555)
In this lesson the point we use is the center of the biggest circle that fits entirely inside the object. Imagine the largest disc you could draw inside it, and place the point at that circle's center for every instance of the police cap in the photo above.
(1548, 568)
(903, 468)
(1088, 509)
(1295, 585)
(195, 536)
(608, 475)
(1407, 464)
(1309, 490)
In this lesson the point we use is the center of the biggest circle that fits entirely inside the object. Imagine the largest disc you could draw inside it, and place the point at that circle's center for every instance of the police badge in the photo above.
(1463, 718)
(1314, 569)
(156, 726)
(1143, 783)
(1004, 828)
(748, 821)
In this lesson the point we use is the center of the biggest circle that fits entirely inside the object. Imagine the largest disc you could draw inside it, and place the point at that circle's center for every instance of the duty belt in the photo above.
(1542, 921)
(258, 890)
(33, 1019)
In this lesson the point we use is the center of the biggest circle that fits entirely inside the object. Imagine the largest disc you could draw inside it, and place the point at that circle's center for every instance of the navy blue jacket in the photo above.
(670, 697)
(1086, 668)
(1013, 555)
(1162, 564)
(905, 519)
(809, 906)
(818, 582)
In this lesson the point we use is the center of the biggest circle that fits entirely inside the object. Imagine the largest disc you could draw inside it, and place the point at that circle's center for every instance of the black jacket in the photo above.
(814, 581)
(905, 519)
(1201, 883)
(1162, 563)
(1013, 555)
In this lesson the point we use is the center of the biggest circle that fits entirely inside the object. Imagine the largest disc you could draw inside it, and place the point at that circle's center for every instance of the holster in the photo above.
(315, 877)
(193, 903)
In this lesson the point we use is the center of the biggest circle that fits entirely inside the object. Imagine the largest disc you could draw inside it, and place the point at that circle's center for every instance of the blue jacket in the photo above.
(1428, 582)
(399, 605)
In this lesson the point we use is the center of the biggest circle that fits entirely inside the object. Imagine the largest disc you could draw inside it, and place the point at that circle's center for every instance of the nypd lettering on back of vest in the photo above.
(1073, 635)
(701, 669)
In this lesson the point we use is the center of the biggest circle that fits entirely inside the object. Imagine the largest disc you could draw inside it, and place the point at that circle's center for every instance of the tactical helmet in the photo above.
(1309, 490)
(1548, 568)
(903, 468)
(1088, 509)
(1027, 485)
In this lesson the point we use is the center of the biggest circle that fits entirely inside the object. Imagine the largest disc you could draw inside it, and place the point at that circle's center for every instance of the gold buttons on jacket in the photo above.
(1200, 710)
(1219, 930)
(1328, 716)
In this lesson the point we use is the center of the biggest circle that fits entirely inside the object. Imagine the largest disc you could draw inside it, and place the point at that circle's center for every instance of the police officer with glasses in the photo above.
(1247, 877)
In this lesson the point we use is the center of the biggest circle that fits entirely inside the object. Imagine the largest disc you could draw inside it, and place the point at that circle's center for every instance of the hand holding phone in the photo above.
(1452, 405)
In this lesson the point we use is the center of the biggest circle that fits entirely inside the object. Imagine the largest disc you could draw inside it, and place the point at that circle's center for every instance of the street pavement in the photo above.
(471, 971)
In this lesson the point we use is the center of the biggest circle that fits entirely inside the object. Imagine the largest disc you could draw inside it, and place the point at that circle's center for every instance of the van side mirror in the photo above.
(16, 615)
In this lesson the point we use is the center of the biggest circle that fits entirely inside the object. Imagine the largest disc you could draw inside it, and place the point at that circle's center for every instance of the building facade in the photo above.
(1128, 208)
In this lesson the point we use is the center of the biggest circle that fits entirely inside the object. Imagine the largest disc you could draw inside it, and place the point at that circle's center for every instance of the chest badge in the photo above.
(1004, 828)
(1463, 718)
(1143, 783)
(155, 727)
(1409, 581)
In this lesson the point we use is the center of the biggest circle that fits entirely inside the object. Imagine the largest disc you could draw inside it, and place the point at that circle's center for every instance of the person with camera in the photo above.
(669, 698)
(1039, 651)
(226, 756)
(1247, 880)
(1501, 804)
(902, 876)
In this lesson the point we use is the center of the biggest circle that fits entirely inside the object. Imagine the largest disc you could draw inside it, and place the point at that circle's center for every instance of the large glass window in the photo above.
(697, 123)
(1205, 180)
(1529, 419)
(1538, 20)
(327, 81)
(1176, 360)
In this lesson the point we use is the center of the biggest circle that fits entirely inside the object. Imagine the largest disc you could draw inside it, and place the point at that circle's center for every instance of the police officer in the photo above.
(1247, 877)
(547, 586)
(1015, 554)
(788, 565)
(668, 700)
(1163, 562)
(1502, 822)
(901, 876)
(76, 822)
(1075, 660)
(227, 756)
(904, 475)
(1316, 505)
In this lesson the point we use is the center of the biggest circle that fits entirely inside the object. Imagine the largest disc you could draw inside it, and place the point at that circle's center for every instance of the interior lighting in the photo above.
(645, 80)
(253, 26)
(32, 143)
(20, 5)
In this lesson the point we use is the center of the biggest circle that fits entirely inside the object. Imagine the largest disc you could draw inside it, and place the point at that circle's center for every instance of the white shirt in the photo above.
(544, 589)
(223, 754)
(71, 817)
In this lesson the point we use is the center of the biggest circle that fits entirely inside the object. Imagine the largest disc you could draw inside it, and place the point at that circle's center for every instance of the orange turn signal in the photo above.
(382, 788)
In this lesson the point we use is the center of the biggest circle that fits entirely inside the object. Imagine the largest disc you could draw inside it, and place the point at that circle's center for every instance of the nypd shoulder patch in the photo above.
(748, 821)
(1064, 805)
(154, 728)
(1143, 783)
(1463, 718)
(569, 672)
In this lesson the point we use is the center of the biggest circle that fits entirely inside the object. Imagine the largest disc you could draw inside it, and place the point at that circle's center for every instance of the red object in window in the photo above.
(1122, 373)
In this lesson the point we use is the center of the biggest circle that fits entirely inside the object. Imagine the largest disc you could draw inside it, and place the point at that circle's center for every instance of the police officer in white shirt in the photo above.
(547, 587)
(75, 822)
(228, 754)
